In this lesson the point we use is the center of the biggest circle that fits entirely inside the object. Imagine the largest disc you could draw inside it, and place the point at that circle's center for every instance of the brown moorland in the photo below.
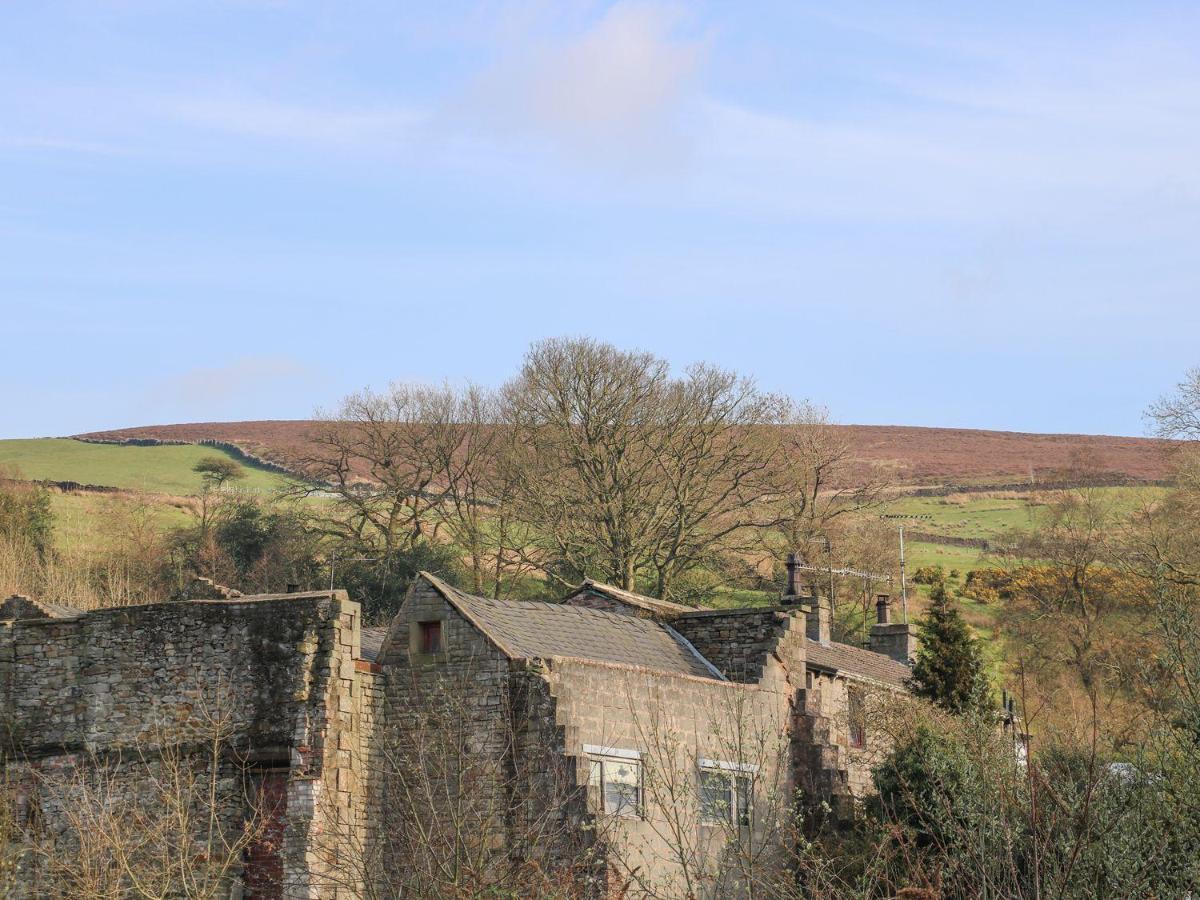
(910, 454)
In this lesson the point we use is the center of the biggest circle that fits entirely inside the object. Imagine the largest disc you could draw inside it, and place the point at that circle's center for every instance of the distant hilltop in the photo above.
(913, 455)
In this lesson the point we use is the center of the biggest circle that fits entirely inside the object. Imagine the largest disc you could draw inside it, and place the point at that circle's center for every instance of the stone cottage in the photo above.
(609, 741)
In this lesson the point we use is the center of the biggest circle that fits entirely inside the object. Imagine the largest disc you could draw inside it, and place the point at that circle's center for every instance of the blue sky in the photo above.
(974, 215)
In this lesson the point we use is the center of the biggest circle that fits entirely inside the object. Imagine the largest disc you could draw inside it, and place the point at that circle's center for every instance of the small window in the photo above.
(726, 790)
(431, 637)
(857, 714)
(615, 783)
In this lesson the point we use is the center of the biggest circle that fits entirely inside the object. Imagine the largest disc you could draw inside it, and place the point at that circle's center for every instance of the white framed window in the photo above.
(615, 780)
(726, 793)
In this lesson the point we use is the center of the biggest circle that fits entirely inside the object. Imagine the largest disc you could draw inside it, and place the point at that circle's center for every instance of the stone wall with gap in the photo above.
(112, 692)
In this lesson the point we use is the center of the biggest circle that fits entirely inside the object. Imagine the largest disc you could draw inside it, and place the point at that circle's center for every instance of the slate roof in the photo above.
(843, 658)
(639, 601)
(372, 642)
(532, 630)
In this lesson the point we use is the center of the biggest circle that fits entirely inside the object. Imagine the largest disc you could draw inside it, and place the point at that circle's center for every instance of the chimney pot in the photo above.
(791, 575)
(883, 609)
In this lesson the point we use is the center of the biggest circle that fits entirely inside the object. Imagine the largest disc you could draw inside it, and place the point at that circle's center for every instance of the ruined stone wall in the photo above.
(740, 642)
(768, 647)
(828, 766)
(117, 688)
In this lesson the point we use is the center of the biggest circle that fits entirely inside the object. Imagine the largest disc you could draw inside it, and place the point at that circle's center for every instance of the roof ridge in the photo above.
(614, 617)
(628, 596)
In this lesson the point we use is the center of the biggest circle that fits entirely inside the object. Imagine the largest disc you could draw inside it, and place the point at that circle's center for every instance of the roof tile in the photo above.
(530, 629)
(856, 661)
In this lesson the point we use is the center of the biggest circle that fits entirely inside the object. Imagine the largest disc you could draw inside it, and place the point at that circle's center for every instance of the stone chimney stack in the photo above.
(791, 577)
(791, 595)
(817, 622)
(894, 639)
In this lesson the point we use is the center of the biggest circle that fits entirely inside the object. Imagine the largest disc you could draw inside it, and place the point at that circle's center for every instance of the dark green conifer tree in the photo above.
(949, 668)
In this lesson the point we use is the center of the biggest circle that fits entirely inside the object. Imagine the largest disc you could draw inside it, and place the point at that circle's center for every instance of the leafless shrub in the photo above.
(162, 820)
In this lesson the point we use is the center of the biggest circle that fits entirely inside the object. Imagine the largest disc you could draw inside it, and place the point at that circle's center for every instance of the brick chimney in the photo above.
(894, 639)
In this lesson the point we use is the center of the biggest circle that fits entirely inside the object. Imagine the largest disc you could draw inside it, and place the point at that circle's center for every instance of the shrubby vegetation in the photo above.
(25, 516)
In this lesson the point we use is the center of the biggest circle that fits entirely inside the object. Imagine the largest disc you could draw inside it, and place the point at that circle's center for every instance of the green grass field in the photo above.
(94, 523)
(161, 470)
(992, 515)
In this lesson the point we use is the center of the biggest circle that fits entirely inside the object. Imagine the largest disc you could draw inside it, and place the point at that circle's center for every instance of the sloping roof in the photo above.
(372, 642)
(649, 604)
(855, 661)
(533, 630)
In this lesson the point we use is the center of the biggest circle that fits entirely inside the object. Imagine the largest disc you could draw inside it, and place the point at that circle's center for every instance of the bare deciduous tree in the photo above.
(639, 475)
(379, 457)
(422, 462)
(215, 473)
(819, 480)
(477, 474)
(1177, 415)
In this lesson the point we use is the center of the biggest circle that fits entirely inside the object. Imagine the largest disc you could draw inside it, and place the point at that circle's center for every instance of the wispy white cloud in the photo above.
(1062, 130)
(258, 117)
(615, 91)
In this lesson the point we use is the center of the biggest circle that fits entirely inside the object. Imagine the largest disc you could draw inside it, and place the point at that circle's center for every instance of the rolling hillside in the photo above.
(916, 456)
(913, 455)
(163, 469)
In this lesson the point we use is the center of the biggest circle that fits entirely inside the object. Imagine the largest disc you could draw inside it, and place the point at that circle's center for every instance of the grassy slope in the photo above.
(163, 470)
(991, 515)
(78, 518)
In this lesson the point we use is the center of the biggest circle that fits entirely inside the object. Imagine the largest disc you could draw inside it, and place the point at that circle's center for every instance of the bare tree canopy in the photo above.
(638, 475)
(592, 462)
(381, 456)
(819, 479)
(1177, 415)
